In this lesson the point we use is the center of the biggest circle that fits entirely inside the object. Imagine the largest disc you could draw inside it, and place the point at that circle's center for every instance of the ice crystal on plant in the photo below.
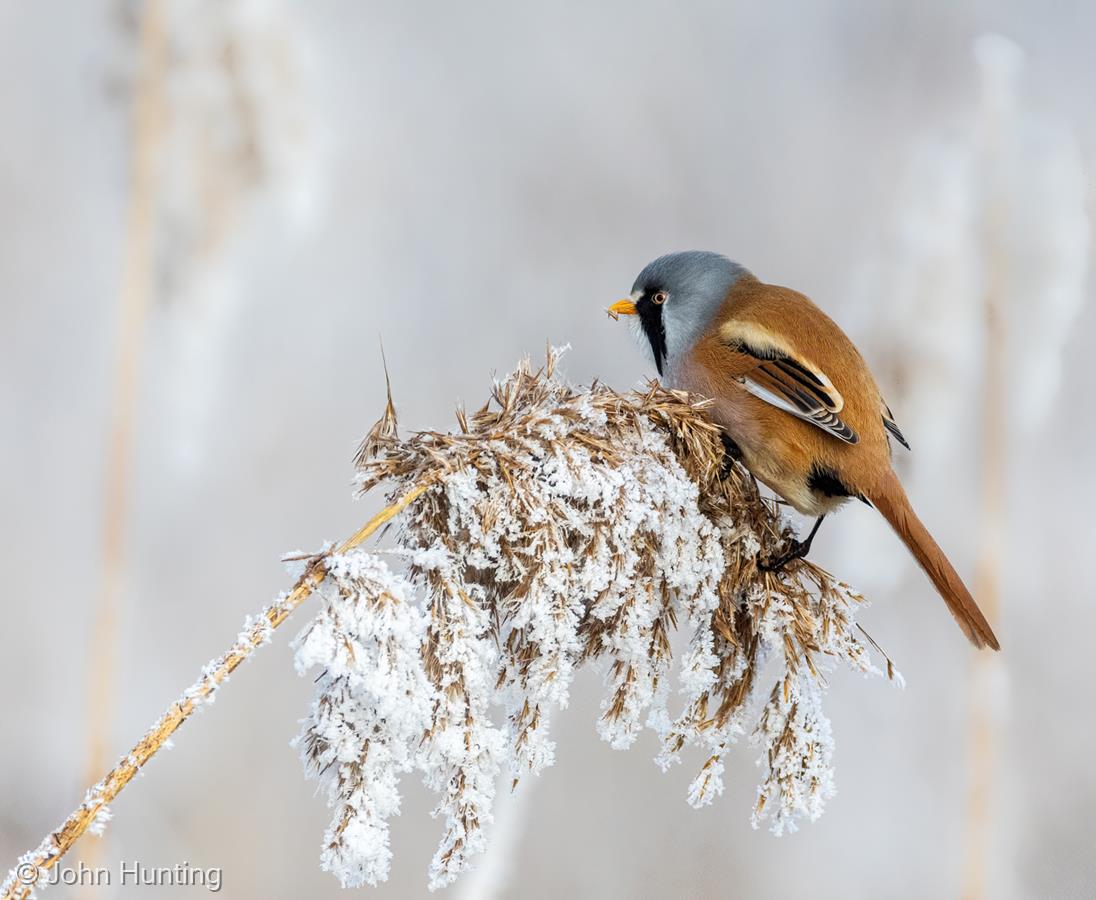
(99, 825)
(558, 526)
(36, 878)
(798, 754)
(373, 706)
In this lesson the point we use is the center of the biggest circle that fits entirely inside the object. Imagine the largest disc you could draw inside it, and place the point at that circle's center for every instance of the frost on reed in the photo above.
(558, 526)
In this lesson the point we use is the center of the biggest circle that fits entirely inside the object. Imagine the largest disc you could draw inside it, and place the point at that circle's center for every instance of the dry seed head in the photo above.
(563, 525)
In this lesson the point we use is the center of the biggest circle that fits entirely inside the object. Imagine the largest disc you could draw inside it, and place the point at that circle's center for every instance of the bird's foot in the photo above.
(796, 550)
(732, 453)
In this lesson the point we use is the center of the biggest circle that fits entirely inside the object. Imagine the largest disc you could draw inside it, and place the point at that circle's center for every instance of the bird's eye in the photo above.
(659, 298)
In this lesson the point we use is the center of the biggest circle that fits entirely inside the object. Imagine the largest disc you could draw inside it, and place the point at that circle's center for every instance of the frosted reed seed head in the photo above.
(562, 525)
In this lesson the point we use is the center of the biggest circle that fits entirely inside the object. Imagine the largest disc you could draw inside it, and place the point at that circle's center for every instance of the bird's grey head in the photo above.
(675, 298)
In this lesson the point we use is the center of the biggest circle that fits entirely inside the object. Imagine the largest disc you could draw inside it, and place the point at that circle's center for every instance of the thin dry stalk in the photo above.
(983, 738)
(257, 631)
(134, 301)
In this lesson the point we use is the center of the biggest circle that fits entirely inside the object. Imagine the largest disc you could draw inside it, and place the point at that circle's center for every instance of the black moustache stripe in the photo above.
(650, 317)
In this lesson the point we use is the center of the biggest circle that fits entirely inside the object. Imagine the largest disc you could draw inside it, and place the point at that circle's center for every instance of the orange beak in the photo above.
(622, 308)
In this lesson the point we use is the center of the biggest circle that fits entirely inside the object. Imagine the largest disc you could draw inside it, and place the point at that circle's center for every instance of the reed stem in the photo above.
(134, 300)
(983, 739)
(20, 882)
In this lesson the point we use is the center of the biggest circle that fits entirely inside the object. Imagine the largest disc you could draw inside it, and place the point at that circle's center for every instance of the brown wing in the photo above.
(791, 383)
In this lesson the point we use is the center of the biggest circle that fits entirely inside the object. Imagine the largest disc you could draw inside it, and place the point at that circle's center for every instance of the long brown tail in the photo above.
(890, 499)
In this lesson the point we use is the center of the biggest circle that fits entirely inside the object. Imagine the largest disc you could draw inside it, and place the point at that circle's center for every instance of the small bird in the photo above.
(795, 399)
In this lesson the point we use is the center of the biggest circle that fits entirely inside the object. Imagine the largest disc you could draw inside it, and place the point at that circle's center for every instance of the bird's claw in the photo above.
(797, 550)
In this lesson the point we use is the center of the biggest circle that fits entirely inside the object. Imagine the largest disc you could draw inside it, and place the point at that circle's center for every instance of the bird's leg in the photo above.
(732, 453)
(797, 550)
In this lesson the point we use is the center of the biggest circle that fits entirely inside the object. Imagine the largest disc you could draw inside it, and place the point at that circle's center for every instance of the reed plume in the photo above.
(557, 526)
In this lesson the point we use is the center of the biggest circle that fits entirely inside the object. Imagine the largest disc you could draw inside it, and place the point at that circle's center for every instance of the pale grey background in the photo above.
(481, 178)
